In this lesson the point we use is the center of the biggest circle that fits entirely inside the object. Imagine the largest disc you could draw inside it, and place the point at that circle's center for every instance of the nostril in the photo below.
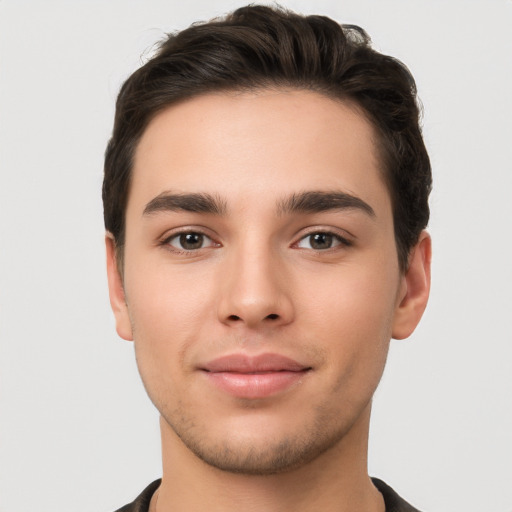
(236, 318)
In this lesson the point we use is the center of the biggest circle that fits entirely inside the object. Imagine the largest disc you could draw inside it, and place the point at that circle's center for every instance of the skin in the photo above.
(259, 282)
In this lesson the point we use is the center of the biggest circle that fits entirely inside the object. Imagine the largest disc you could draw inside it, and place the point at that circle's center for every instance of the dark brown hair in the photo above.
(262, 47)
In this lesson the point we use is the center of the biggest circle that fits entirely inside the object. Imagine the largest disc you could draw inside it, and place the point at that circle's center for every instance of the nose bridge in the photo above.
(254, 288)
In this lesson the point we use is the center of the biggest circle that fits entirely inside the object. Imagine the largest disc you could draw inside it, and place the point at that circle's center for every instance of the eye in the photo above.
(189, 241)
(320, 241)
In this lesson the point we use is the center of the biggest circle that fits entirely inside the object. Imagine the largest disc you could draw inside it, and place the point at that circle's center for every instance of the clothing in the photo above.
(393, 502)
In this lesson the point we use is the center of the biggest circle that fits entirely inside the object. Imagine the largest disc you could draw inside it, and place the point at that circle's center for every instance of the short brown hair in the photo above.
(262, 47)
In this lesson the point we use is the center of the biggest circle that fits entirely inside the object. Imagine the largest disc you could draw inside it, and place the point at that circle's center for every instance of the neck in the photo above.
(337, 480)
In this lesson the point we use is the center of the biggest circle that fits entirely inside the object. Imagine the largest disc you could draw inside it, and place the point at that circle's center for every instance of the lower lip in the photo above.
(255, 385)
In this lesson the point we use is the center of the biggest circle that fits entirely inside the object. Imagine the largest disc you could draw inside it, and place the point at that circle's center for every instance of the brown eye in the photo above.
(321, 241)
(189, 241)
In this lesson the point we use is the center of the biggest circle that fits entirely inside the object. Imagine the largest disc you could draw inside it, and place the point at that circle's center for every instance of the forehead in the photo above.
(265, 143)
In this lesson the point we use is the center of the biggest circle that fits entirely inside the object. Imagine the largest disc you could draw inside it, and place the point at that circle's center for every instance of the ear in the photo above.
(415, 289)
(116, 291)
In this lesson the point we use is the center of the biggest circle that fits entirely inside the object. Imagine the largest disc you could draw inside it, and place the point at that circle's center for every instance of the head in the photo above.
(259, 47)
(265, 193)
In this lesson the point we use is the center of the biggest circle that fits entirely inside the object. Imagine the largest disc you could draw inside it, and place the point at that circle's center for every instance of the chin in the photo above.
(251, 459)
(235, 449)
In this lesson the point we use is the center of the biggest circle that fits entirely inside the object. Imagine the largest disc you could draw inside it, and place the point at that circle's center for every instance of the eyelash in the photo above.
(166, 242)
(341, 241)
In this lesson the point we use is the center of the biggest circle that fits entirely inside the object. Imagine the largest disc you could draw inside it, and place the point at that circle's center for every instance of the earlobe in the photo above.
(416, 289)
(116, 291)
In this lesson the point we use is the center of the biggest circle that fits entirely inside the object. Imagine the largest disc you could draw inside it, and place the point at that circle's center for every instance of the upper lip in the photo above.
(243, 363)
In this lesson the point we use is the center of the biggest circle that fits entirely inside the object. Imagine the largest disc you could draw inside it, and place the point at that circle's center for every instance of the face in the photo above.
(261, 282)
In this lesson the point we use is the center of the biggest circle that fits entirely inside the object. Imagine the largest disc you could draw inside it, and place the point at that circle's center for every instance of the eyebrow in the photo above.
(193, 202)
(319, 201)
(303, 202)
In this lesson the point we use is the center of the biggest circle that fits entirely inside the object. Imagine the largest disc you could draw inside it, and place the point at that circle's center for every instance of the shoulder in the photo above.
(141, 503)
(394, 503)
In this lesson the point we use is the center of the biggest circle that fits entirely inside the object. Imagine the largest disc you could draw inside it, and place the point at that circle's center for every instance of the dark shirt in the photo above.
(393, 502)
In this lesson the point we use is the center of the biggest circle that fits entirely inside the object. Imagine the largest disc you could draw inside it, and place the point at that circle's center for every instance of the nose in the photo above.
(255, 291)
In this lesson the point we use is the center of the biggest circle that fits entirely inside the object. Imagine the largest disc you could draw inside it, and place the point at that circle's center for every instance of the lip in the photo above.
(254, 377)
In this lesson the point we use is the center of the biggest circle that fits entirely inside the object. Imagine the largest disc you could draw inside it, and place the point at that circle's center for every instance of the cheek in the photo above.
(354, 302)
(168, 314)
(352, 315)
(159, 299)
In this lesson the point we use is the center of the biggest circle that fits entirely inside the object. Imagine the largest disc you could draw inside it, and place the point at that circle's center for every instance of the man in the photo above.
(265, 200)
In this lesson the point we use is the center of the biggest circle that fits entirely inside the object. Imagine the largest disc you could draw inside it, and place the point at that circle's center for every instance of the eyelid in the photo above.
(165, 239)
(344, 238)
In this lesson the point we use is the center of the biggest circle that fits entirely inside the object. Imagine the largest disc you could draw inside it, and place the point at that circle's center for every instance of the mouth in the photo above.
(254, 377)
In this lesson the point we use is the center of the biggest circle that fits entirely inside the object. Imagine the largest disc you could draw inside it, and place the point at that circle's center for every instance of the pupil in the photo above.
(321, 241)
(191, 241)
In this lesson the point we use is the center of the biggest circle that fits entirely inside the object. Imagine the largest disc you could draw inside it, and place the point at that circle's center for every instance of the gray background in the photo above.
(77, 432)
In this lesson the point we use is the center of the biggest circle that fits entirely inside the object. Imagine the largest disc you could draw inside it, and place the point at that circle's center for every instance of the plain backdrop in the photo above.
(77, 432)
